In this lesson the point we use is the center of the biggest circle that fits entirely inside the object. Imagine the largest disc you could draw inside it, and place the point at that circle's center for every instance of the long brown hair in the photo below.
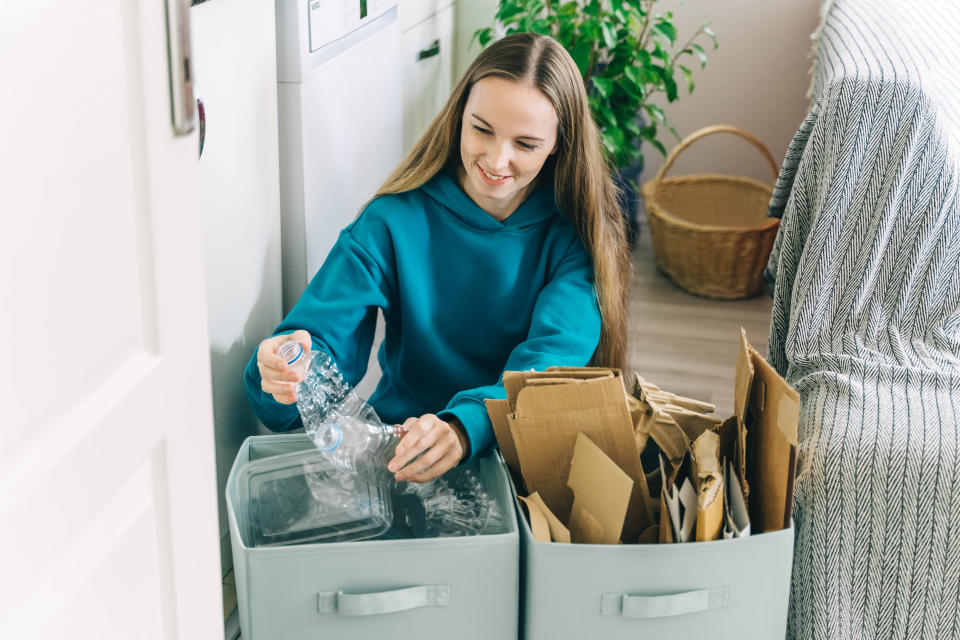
(583, 186)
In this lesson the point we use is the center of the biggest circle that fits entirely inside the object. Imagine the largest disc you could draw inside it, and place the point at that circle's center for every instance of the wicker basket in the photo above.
(710, 232)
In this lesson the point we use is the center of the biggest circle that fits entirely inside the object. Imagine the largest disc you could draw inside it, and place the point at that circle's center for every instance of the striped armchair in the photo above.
(865, 276)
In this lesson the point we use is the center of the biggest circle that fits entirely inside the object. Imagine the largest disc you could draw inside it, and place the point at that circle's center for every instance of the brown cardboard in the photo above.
(643, 389)
(544, 429)
(650, 535)
(539, 424)
(709, 480)
(498, 410)
(587, 529)
(774, 407)
(743, 382)
(514, 381)
(601, 494)
(538, 521)
(558, 532)
(670, 438)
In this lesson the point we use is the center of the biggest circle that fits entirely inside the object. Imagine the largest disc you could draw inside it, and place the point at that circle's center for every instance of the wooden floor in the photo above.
(686, 344)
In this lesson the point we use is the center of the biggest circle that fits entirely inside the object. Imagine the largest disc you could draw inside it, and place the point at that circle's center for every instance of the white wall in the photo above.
(756, 80)
(235, 64)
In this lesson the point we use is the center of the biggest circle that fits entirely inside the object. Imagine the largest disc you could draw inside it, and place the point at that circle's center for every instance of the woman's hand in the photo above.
(442, 444)
(277, 377)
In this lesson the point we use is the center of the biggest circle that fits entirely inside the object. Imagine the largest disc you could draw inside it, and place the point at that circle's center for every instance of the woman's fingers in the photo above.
(282, 392)
(284, 374)
(435, 463)
(419, 438)
(439, 468)
(277, 377)
(435, 442)
(301, 336)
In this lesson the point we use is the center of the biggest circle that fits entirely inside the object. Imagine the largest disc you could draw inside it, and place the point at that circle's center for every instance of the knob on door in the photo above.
(183, 106)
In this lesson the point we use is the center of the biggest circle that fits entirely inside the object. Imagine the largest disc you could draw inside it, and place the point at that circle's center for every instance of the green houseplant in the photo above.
(627, 55)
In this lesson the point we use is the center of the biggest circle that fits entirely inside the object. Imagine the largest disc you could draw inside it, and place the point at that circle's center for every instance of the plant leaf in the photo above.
(609, 35)
(581, 55)
(482, 36)
(689, 77)
(655, 112)
(603, 86)
(607, 117)
(669, 85)
(700, 54)
(667, 30)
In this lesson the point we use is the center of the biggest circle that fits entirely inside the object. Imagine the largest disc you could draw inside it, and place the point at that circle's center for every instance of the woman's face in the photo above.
(509, 129)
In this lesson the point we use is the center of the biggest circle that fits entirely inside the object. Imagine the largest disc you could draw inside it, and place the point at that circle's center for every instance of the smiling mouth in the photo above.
(491, 178)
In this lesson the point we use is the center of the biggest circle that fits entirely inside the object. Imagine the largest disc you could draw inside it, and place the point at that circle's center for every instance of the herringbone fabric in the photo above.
(866, 324)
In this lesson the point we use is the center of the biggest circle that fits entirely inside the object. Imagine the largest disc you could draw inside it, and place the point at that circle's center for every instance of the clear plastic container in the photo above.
(302, 497)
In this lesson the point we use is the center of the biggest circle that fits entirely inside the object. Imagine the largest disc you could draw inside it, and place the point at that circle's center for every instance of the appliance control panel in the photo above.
(331, 20)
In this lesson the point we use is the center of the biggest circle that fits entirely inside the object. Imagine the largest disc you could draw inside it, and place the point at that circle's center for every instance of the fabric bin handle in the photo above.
(379, 602)
(675, 604)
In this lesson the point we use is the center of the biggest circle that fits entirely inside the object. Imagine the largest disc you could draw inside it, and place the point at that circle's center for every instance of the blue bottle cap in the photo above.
(290, 351)
(333, 432)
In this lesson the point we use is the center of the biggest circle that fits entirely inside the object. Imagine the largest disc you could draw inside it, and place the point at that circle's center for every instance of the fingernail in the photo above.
(392, 467)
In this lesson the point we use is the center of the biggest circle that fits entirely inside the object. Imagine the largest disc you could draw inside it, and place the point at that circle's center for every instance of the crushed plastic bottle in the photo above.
(347, 430)
(456, 507)
(341, 424)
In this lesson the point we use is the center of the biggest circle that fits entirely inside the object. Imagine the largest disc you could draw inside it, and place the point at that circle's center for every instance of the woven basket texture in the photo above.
(710, 232)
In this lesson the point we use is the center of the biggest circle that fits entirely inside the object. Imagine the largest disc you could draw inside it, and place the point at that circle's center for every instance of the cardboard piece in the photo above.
(736, 478)
(538, 522)
(709, 479)
(513, 381)
(772, 414)
(601, 494)
(558, 532)
(587, 529)
(671, 439)
(544, 429)
(498, 410)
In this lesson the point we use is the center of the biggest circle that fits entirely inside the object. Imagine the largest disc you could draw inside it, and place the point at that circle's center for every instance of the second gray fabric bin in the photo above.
(729, 589)
(466, 587)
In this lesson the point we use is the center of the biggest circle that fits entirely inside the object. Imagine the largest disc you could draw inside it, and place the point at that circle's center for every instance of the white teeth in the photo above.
(490, 175)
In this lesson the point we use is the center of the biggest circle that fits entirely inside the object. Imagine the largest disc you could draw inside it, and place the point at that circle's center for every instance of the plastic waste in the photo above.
(347, 430)
(342, 425)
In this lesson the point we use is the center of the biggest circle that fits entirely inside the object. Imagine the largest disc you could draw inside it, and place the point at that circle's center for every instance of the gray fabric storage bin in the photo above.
(737, 589)
(466, 587)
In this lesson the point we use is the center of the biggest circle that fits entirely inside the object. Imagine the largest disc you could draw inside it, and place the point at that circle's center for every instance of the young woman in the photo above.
(496, 245)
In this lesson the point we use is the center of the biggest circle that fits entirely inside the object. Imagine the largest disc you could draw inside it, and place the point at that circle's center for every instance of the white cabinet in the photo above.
(427, 64)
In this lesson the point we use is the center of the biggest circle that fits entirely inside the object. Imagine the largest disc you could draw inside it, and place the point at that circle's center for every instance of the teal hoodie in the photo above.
(465, 298)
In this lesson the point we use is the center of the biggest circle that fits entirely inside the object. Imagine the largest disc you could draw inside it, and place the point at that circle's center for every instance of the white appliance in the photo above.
(340, 121)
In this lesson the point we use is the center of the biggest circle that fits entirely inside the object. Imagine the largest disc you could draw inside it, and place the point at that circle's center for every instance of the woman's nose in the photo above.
(499, 157)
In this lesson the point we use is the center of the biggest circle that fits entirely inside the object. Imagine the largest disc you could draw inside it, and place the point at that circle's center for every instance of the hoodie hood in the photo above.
(538, 207)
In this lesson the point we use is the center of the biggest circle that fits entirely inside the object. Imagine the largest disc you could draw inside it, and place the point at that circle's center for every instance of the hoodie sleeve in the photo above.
(339, 311)
(564, 331)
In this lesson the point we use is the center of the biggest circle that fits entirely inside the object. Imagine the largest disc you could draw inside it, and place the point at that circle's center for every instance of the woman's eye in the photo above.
(526, 147)
(481, 129)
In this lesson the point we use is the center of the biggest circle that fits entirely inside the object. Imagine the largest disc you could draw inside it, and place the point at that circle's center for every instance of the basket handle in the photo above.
(708, 131)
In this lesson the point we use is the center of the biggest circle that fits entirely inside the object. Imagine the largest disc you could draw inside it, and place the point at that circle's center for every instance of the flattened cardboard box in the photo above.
(537, 428)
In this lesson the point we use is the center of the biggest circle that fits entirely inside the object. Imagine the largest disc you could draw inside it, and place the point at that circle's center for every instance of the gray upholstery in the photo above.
(866, 323)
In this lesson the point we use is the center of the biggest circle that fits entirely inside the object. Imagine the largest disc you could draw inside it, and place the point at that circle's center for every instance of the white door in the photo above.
(108, 522)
